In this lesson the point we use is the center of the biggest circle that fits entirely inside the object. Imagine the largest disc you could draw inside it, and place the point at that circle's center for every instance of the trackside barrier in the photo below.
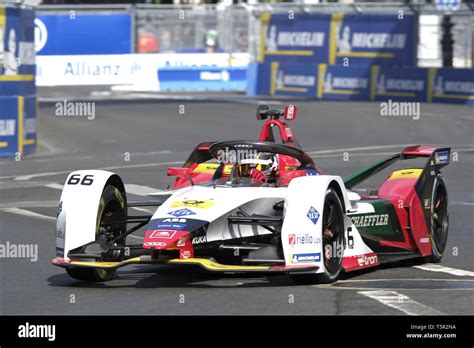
(338, 38)
(203, 79)
(17, 82)
(333, 82)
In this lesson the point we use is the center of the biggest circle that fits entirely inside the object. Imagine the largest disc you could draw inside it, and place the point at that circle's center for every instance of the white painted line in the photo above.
(401, 146)
(400, 302)
(438, 268)
(136, 237)
(139, 190)
(27, 213)
(55, 186)
(461, 203)
(37, 175)
(144, 210)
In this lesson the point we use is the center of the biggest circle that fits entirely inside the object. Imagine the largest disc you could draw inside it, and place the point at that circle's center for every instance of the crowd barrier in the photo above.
(17, 82)
(335, 82)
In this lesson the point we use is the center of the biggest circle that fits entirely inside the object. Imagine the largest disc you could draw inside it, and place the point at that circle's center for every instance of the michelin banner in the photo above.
(17, 82)
(348, 40)
(377, 83)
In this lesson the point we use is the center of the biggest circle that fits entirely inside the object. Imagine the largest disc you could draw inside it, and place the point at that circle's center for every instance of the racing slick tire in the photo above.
(333, 236)
(439, 220)
(112, 206)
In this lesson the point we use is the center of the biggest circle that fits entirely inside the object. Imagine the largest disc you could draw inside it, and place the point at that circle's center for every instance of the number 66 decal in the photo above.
(350, 238)
(76, 179)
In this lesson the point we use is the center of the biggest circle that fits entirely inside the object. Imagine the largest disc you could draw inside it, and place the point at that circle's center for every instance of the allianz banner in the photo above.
(348, 40)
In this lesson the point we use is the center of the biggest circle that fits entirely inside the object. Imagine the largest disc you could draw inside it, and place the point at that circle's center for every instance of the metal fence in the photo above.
(184, 28)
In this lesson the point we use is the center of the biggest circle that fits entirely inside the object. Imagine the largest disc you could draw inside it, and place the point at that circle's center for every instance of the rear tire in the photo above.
(112, 206)
(333, 236)
(439, 221)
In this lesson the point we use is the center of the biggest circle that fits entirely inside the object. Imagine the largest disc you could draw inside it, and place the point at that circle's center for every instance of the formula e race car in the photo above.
(261, 207)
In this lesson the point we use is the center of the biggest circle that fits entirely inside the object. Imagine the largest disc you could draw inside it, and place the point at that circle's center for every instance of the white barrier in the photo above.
(139, 70)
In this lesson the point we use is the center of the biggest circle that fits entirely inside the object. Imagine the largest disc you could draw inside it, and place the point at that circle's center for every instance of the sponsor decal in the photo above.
(442, 157)
(192, 203)
(311, 172)
(370, 220)
(154, 244)
(306, 238)
(182, 212)
(7, 127)
(275, 39)
(185, 254)
(365, 260)
(163, 234)
(313, 215)
(427, 203)
(199, 240)
(424, 240)
(60, 234)
(312, 257)
(288, 132)
(172, 224)
(60, 208)
(59, 252)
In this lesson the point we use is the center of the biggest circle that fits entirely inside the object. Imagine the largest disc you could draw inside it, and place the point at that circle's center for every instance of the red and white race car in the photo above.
(258, 206)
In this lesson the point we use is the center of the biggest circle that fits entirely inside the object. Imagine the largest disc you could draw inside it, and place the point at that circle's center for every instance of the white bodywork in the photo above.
(77, 222)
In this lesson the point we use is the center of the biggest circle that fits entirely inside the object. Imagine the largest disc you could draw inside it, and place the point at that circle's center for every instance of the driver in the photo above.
(264, 168)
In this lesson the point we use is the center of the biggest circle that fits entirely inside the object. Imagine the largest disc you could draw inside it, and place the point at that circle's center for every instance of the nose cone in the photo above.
(163, 239)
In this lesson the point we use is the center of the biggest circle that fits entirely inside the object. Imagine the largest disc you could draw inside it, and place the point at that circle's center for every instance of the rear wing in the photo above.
(437, 158)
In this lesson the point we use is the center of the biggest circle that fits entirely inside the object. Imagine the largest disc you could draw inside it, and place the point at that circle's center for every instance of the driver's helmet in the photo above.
(265, 162)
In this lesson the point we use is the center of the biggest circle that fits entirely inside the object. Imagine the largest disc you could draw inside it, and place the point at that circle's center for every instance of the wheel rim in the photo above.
(440, 219)
(332, 235)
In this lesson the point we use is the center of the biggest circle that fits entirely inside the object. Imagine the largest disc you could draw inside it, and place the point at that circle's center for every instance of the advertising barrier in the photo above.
(17, 82)
(142, 70)
(346, 39)
(74, 34)
(202, 79)
(335, 82)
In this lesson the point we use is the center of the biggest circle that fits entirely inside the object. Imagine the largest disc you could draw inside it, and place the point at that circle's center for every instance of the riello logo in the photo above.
(306, 238)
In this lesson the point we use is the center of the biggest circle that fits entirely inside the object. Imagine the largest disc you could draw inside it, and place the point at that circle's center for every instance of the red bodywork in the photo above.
(287, 164)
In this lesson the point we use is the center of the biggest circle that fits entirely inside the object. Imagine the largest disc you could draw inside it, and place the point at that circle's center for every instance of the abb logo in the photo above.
(367, 260)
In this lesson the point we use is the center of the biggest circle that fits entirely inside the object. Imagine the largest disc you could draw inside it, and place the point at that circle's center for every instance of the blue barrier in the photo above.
(59, 34)
(203, 78)
(335, 82)
(17, 82)
(349, 39)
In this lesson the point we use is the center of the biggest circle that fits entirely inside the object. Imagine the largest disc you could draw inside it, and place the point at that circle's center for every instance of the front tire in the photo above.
(112, 206)
(333, 242)
(439, 221)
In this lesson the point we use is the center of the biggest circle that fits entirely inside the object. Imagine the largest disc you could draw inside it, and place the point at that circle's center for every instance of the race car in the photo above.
(258, 206)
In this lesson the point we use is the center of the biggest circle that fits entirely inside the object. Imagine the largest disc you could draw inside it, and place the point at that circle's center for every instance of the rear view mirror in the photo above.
(261, 112)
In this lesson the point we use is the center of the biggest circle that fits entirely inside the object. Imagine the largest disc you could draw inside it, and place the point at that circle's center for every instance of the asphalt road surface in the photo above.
(139, 141)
